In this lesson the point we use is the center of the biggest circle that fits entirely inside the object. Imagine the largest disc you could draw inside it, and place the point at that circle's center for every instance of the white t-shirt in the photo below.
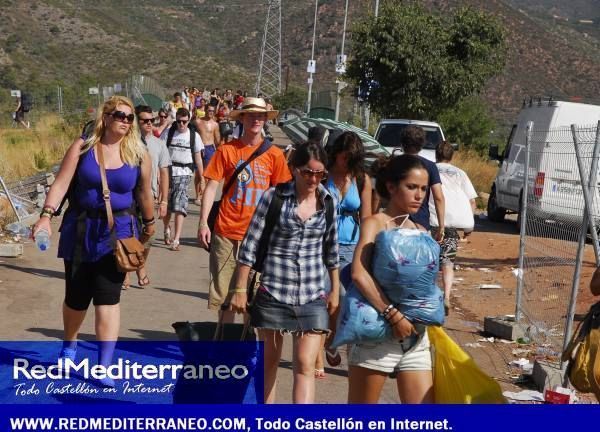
(179, 151)
(458, 191)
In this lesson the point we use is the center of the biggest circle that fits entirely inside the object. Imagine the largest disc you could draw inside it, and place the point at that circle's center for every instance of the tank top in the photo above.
(87, 194)
(348, 229)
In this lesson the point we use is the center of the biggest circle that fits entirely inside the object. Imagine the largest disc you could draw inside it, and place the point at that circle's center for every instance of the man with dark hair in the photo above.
(412, 140)
(184, 147)
(160, 173)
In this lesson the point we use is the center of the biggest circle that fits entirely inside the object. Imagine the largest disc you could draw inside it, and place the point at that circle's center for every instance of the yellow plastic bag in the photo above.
(456, 377)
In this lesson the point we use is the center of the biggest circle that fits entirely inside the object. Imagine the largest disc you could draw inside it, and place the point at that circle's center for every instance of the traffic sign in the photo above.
(312, 66)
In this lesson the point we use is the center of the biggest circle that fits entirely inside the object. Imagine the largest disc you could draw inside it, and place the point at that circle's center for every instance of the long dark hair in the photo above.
(348, 142)
(394, 170)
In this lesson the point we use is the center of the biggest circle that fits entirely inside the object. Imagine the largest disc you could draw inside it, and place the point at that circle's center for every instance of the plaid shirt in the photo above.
(294, 267)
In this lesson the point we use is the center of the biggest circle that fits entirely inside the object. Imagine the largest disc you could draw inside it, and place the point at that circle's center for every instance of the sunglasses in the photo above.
(147, 121)
(182, 121)
(122, 117)
(211, 111)
(162, 116)
(308, 173)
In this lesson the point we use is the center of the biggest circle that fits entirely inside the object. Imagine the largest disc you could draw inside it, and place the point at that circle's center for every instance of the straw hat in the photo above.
(254, 105)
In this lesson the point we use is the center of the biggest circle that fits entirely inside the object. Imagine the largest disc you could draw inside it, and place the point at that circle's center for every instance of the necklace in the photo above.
(341, 185)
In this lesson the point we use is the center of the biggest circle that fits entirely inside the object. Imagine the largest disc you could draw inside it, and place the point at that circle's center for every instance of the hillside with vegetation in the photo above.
(79, 43)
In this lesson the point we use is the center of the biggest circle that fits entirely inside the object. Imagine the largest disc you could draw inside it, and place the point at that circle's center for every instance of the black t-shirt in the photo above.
(422, 216)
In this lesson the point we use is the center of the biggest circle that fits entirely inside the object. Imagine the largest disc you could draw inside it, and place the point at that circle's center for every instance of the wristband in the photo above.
(163, 203)
(147, 224)
(387, 310)
(240, 290)
(47, 212)
(202, 224)
(51, 207)
(148, 221)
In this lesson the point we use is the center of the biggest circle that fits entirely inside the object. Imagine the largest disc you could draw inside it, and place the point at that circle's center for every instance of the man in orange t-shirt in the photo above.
(240, 201)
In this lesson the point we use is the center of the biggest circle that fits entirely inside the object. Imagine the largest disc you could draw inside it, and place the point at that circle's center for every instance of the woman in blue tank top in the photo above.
(351, 187)
(86, 243)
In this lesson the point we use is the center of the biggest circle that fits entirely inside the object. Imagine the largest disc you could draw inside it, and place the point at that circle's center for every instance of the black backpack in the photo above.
(26, 102)
(170, 135)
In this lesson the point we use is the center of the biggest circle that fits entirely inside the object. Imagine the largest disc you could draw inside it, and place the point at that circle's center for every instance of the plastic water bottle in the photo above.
(42, 240)
(18, 228)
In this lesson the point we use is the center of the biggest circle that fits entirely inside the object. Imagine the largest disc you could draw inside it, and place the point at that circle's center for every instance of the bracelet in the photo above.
(391, 314)
(47, 212)
(240, 290)
(387, 310)
(146, 225)
(51, 207)
(148, 221)
(163, 203)
(401, 318)
(202, 224)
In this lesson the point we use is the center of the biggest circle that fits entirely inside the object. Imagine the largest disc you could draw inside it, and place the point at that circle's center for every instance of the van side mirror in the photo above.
(493, 153)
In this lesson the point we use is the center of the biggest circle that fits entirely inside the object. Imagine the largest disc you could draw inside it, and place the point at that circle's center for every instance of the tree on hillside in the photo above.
(419, 63)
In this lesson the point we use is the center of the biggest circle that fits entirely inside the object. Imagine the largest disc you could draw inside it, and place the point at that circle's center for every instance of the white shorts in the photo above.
(388, 356)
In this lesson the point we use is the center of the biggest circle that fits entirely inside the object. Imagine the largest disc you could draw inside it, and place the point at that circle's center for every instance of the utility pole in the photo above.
(312, 64)
(269, 68)
(367, 109)
(342, 68)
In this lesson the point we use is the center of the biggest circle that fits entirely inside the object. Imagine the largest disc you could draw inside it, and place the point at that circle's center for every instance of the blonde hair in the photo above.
(132, 149)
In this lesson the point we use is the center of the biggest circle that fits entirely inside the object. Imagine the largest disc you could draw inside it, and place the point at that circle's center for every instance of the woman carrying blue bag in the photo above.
(393, 296)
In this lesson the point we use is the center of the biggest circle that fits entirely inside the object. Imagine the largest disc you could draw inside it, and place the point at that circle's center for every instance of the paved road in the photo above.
(32, 290)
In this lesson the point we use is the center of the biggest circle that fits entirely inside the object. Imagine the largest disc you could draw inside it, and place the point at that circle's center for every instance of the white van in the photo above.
(554, 182)
(388, 134)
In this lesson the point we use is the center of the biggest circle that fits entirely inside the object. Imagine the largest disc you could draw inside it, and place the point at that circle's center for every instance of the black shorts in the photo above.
(99, 281)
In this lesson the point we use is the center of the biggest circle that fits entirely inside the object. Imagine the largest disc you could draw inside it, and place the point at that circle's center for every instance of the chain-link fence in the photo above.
(554, 227)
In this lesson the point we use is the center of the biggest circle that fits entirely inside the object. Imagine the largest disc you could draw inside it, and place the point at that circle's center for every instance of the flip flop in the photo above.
(125, 284)
(175, 245)
(320, 373)
(144, 281)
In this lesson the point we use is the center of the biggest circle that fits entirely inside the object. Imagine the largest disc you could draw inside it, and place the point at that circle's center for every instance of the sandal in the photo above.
(320, 373)
(168, 236)
(125, 284)
(175, 245)
(144, 281)
(333, 357)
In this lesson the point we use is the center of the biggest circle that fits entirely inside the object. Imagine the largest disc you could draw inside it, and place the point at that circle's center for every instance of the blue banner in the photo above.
(131, 372)
(488, 418)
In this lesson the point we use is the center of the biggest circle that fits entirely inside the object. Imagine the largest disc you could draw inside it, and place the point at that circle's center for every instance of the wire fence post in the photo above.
(588, 220)
(523, 226)
(10, 200)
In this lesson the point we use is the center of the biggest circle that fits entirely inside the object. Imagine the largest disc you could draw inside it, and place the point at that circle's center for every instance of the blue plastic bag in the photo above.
(405, 264)
(358, 321)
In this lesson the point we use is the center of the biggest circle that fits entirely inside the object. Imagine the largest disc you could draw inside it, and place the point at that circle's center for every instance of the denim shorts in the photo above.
(346, 254)
(269, 313)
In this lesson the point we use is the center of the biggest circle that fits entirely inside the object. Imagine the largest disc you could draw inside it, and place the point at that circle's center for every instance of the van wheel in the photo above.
(495, 213)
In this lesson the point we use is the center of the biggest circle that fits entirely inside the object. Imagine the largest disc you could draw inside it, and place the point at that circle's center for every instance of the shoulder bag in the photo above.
(129, 252)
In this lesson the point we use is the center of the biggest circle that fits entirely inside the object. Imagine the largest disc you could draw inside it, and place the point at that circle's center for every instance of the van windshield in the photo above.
(389, 135)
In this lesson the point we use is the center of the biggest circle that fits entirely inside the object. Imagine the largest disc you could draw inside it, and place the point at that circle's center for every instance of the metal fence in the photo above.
(82, 101)
(557, 216)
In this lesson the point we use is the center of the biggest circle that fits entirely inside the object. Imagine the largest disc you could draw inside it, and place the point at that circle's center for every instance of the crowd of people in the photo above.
(304, 220)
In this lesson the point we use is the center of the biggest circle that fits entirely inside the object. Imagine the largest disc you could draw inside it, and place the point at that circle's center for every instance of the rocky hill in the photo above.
(216, 43)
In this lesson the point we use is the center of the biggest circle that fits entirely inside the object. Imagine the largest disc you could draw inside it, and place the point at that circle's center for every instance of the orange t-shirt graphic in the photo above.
(238, 205)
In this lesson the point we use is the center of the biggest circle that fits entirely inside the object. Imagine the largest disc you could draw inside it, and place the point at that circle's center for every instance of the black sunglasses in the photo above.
(121, 117)
(162, 116)
(182, 121)
(147, 121)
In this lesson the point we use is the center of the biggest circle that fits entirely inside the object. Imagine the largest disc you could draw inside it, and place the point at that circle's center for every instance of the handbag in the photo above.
(129, 252)
(583, 354)
(214, 210)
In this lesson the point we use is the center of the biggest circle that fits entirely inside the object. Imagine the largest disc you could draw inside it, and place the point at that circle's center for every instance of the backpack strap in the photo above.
(171, 134)
(266, 145)
(271, 220)
(329, 212)
(192, 141)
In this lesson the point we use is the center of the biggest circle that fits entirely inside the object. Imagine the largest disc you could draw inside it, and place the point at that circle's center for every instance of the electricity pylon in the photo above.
(269, 68)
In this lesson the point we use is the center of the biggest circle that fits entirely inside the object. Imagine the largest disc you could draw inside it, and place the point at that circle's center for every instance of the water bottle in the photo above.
(18, 228)
(42, 240)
